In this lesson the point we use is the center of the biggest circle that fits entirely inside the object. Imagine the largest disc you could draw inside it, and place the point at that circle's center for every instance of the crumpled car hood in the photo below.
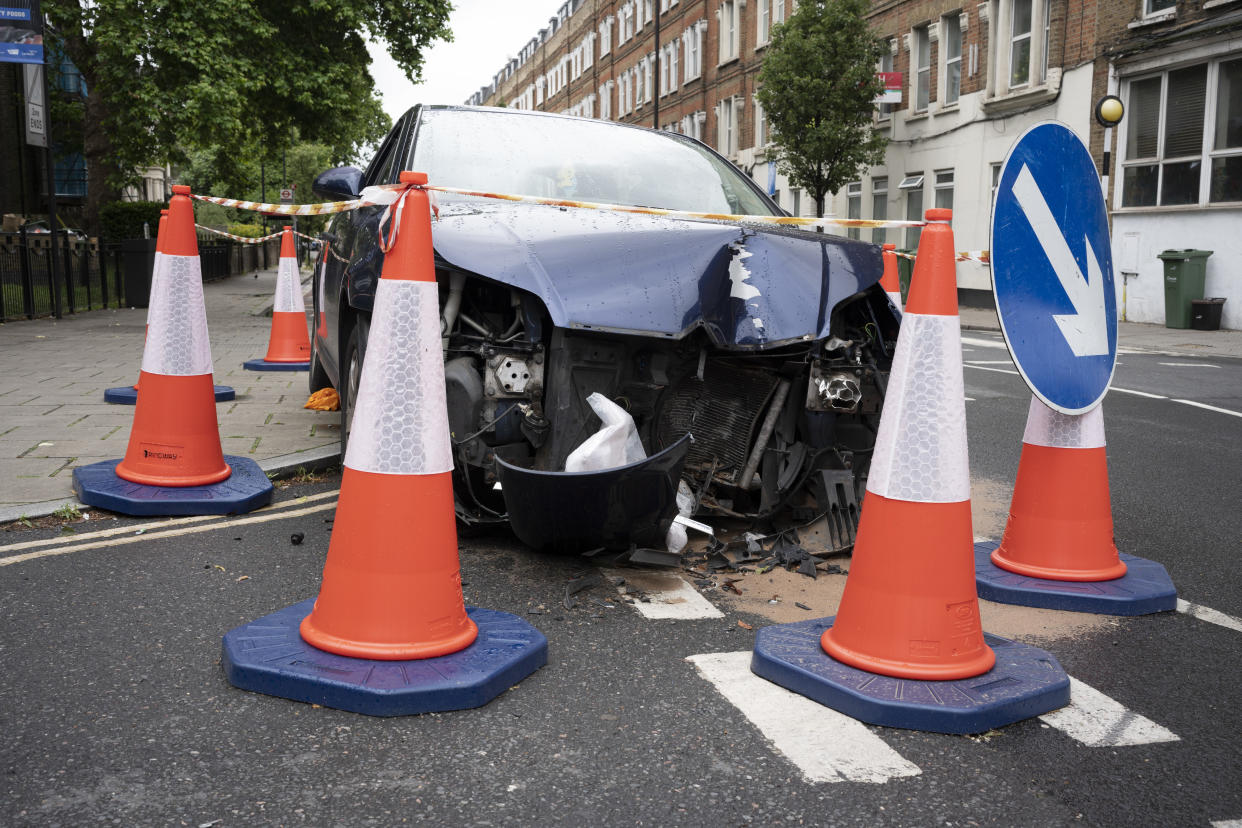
(747, 286)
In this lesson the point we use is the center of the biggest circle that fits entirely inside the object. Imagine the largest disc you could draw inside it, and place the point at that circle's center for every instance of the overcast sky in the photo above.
(486, 33)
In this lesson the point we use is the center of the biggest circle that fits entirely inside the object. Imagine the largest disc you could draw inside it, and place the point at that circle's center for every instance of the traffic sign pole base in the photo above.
(269, 656)
(1145, 588)
(264, 365)
(128, 394)
(245, 490)
(1025, 682)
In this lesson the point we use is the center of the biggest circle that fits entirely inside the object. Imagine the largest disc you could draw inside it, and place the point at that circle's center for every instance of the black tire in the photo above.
(351, 372)
(318, 376)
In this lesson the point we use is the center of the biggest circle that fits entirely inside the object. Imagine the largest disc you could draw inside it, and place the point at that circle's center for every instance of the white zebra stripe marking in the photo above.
(1210, 615)
(826, 746)
(668, 596)
(1099, 721)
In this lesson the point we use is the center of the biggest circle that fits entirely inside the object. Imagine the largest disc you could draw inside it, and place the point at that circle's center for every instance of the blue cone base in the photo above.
(264, 365)
(269, 656)
(1145, 588)
(1025, 682)
(245, 490)
(128, 394)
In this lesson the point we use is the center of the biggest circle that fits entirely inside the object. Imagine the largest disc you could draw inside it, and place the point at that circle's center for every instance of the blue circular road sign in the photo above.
(1052, 269)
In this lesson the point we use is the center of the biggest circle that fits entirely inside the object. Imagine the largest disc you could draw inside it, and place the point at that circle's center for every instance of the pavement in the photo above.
(53, 417)
(54, 371)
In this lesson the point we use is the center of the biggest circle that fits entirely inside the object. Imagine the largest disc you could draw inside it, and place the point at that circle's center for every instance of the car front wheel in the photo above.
(351, 377)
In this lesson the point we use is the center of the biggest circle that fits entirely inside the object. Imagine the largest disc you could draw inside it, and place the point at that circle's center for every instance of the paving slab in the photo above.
(53, 373)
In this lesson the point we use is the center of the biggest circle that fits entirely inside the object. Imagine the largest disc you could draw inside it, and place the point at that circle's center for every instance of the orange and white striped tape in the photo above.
(386, 195)
(242, 239)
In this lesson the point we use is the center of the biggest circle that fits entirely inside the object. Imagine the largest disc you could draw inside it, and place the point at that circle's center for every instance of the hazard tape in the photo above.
(980, 256)
(785, 221)
(386, 195)
(242, 239)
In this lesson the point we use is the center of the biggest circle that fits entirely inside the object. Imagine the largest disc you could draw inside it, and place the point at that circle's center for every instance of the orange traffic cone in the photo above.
(390, 634)
(175, 440)
(889, 281)
(1061, 520)
(174, 452)
(909, 607)
(288, 346)
(385, 594)
(1058, 550)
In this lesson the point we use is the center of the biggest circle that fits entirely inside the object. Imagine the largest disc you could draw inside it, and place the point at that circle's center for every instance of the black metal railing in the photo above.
(89, 275)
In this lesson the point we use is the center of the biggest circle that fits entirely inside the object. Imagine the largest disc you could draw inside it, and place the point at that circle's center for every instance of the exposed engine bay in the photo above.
(779, 435)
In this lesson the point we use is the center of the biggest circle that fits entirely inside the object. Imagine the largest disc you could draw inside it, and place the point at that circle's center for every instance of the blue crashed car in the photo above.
(752, 357)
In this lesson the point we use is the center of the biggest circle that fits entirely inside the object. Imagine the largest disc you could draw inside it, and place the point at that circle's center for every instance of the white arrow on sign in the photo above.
(1085, 330)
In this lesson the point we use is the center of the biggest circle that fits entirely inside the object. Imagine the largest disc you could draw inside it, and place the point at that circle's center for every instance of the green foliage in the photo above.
(250, 231)
(168, 78)
(213, 215)
(817, 87)
(124, 219)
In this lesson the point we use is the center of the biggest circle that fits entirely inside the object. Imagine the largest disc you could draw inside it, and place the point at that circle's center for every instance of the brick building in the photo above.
(975, 75)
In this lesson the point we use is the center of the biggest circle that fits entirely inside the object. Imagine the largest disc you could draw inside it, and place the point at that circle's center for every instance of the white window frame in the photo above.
(693, 38)
(762, 138)
(605, 35)
(949, 24)
(649, 76)
(728, 31)
(879, 199)
(943, 189)
(1165, 11)
(920, 62)
(1000, 32)
(887, 63)
(912, 185)
(778, 13)
(853, 207)
(727, 120)
(605, 101)
(763, 22)
(1208, 155)
(640, 74)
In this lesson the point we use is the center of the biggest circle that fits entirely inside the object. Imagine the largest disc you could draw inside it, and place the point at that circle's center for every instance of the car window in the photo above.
(380, 170)
(569, 158)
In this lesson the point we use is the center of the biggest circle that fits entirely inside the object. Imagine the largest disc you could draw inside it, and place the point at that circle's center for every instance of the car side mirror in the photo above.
(338, 183)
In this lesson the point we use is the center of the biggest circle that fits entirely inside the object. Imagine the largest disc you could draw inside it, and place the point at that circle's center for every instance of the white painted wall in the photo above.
(1139, 236)
(956, 138)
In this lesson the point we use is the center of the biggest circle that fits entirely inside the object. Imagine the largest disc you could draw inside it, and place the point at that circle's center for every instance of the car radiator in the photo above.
(722, 410)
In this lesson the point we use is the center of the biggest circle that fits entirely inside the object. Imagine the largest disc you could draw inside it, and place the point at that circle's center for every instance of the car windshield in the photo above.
(514, 153)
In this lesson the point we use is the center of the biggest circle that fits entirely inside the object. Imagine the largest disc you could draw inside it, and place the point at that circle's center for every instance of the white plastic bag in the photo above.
(676, 539)
(615, 444)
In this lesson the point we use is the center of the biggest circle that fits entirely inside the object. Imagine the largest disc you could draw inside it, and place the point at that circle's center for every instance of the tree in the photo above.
(166, 77)
(818, 87)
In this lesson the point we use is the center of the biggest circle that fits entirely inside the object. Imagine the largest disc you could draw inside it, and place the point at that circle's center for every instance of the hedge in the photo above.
(124, 219)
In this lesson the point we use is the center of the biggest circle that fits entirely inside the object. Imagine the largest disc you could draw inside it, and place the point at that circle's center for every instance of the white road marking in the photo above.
(1099, 721)
(187, 530)
(984, 343)
(1138, 393)
(1210, 407)
(989, 362)
(668, 596)
(154, 527)
(970, 399)
(985, 368)
(1227, 823)
(1188, 364)
(826, 746)
(1210, 615)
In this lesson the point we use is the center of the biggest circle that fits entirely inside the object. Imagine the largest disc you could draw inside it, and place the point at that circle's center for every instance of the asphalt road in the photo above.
(114, 708)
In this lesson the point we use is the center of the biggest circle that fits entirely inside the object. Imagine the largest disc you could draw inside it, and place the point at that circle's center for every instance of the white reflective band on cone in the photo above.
(920, 451)
(157, 269)
(177, 343)
(400, 423)
(895, 298)
(288, 287)
(1048, 427)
